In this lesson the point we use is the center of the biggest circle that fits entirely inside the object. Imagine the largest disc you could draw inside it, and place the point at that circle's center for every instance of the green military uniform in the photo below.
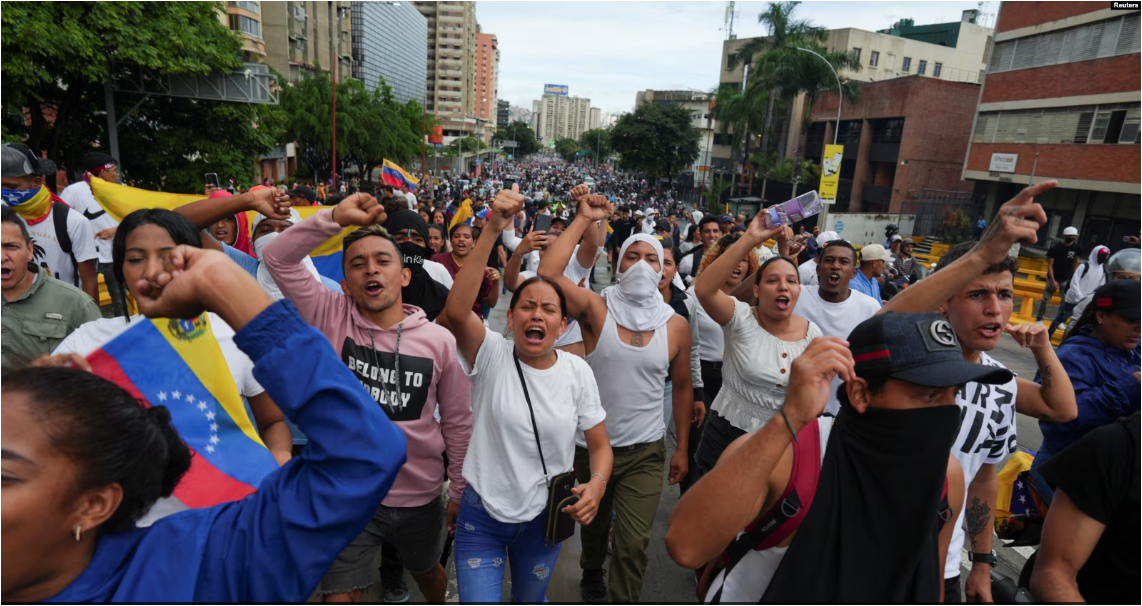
(40, 319)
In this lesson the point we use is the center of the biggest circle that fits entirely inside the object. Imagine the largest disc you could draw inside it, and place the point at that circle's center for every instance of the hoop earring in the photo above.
(78, 533)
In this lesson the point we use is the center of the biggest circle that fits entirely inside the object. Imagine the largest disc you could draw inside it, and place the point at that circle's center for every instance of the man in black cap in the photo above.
(885, 482)
(78, 195)
(301, 195)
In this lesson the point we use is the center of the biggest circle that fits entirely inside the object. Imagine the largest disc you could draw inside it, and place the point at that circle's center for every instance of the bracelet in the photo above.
(595, 473)
(788, 424)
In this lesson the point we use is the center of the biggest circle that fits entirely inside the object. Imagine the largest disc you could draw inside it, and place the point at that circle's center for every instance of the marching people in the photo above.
(525, 426)
(83, 461)
(407, 365)
(633, 341)
(78, 196)
(462, 237)
(1062, 260)
(1087, 277)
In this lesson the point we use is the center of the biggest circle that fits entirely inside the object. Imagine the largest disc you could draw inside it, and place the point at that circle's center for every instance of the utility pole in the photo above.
(333, 40)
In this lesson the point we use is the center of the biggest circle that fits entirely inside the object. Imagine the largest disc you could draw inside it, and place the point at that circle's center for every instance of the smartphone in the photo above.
(510, 180)
(212, 179)
(542, 222)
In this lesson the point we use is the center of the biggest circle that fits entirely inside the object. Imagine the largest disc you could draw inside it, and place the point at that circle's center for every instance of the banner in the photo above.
(831, 172)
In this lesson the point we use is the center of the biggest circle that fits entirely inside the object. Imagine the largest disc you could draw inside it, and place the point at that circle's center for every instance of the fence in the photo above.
(949, 216)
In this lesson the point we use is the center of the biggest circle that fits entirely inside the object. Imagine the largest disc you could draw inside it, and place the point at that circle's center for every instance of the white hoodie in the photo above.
(1088, 277)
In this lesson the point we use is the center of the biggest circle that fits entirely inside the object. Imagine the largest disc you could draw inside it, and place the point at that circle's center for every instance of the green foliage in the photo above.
(568, 149)
(520, 132)
(713, 195)
(656, 140)
(597, 143)
(467, 145)
(56, 58)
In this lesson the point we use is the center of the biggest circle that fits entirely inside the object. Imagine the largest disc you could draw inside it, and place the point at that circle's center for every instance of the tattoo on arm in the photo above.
(977, 517)
(1045, 376)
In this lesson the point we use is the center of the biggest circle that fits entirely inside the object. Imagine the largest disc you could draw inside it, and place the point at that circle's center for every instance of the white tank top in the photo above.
(631, 385)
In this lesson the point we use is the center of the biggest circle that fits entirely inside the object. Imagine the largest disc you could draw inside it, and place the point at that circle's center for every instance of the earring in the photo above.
(78, 533)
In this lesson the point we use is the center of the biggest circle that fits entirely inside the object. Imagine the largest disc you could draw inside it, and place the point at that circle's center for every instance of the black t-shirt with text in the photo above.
(1064, 260)
(1100, 475)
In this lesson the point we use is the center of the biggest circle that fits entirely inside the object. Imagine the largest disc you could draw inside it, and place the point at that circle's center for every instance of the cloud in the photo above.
(608, 51)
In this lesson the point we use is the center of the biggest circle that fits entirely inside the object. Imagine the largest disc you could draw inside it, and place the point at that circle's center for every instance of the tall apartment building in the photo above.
(595, 119)
(954, 51)
(1061, 100)
(305, 36)
(450, 80)
(245, 18)
(388, 41)
(487, 90)
(503, 113)
(561, 117)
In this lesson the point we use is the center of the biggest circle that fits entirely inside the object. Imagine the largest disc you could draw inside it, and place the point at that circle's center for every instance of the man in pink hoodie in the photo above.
(409, 367)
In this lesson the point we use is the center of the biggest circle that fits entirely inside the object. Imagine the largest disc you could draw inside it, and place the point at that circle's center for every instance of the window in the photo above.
(1118, 123)
(730, 61)
(923, 67)
(907, 65)
(246, 25)
(246, 4)
(937, 70)
(873, 58)
(1117, 36)
(856, 54)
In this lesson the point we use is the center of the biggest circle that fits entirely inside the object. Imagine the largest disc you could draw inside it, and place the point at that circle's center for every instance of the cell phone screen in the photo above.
(212, 179)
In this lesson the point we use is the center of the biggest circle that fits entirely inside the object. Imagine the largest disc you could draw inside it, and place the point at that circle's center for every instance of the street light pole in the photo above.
(823, 221)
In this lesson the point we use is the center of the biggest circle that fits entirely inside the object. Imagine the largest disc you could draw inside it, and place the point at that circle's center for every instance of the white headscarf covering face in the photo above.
(635, 300)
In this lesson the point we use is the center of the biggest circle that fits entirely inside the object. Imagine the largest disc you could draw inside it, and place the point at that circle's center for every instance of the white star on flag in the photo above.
(214, 439)
(210, 416)
(1023, 499)
(209, 448)
(177, 394)
(162, 396)
(190, 398)
(201, 405)
(1019, 483)
(214, 427)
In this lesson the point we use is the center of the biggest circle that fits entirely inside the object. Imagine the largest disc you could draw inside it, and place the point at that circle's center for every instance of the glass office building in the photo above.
(389, 40)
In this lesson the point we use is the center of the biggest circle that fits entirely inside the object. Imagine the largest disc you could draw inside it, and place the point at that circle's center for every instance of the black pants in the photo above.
(717, 436)
(952, 590)
(712, 384)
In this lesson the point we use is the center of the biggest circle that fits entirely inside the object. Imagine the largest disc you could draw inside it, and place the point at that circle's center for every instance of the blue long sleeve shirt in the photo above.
(1105, 388)
(276, 544)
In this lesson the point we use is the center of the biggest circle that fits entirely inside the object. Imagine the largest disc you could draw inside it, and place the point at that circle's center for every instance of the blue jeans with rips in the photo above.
(484, 545)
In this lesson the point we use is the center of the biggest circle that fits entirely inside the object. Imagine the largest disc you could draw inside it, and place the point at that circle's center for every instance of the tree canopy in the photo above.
(568, 149)
(520, 132)
(596, 142)
(656, 139)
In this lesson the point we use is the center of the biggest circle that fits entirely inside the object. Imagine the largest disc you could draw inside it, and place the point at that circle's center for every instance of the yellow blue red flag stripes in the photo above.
(121, 200)
(396, 176)
(178, 364)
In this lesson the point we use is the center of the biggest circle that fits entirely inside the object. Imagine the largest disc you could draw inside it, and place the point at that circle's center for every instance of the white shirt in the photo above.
(48, 254)
(707, 332)
(79, 197)
(807, 271)
(756, 370)
(411, 197)
(987, 436)
(835, 320)
(438, 272)
(95, 334)
(502, 464)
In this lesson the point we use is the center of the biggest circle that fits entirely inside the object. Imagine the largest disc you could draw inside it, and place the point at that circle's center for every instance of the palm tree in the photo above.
(741, 112)
(777, 65)
(714, 193)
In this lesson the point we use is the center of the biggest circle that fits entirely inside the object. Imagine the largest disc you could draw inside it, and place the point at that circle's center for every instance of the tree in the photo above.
(597, 143)
(57, 56)
(520, 132)
(656, 139)
(568, 149)
(743, 112)
(714, 193)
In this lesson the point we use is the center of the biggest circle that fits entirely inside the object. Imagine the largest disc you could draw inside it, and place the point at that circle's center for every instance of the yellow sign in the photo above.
(831, 171)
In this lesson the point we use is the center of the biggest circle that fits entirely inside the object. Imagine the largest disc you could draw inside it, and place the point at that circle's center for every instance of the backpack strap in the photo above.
(59, 221)
(944, 512)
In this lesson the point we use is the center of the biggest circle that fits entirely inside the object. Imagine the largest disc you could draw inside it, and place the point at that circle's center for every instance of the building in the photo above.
(561, 117)
(594, 118)
(245, 18)
(698, 104)
(303, 37)
(487, 90)
(450, 80)
(948, 51)
(905, 136)
(388, 42)
(1061, 100)
(503, 113)
(523, 114)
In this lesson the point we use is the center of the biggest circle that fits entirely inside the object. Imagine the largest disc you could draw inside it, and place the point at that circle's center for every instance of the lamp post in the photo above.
(823, 221)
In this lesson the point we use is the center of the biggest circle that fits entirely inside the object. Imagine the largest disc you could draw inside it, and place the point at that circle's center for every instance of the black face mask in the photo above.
(1069, 239)
(414, 255)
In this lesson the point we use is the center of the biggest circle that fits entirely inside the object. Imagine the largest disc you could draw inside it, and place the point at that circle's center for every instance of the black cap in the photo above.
(302, 191)
(1123, 297)
(919, 348)
(20, 161)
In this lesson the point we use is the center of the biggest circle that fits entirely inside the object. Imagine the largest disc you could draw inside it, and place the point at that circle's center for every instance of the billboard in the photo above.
(831, 172)
(555, 89)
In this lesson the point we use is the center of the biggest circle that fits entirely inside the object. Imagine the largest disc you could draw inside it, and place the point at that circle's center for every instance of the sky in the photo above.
(608, 51)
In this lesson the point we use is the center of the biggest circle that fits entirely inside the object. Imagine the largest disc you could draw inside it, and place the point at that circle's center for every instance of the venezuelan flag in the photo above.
(396, 176)
(121, 200)
(178, 364)
(463, 214)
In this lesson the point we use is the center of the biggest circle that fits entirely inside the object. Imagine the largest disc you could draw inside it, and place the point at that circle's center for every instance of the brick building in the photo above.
(903, 136)
(1061, 100)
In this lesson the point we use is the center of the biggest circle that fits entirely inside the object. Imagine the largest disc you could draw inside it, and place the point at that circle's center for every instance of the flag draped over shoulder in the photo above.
(463, 214)
(121, 200)
(396, 176)
(178, 364)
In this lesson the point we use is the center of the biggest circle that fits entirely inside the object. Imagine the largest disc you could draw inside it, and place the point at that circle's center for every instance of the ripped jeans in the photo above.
(484, 546)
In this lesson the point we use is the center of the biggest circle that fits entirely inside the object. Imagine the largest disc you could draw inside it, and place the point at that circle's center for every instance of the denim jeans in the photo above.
(1064, 314)
(484, 545)
(1045, 492)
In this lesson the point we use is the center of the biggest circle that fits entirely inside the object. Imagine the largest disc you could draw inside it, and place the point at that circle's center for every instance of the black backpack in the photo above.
(59, 219)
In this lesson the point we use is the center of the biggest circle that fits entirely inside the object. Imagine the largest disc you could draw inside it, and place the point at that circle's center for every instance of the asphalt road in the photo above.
(665, 581)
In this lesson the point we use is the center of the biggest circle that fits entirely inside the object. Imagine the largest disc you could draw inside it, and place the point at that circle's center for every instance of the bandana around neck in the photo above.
(31, 204)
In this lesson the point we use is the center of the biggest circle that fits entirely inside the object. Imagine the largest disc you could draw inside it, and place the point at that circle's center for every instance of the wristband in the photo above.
(788, 424)
(595, 473)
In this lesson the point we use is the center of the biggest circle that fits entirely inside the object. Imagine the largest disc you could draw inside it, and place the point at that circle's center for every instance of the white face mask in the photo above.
(639, 283)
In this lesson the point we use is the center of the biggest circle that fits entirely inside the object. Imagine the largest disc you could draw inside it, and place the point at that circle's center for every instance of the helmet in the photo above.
(892, 228)
(1127, 259)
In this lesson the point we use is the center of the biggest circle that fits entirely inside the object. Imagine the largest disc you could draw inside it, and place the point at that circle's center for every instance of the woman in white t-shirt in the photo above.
(504, 510)
(139, 249)
(760, 342)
